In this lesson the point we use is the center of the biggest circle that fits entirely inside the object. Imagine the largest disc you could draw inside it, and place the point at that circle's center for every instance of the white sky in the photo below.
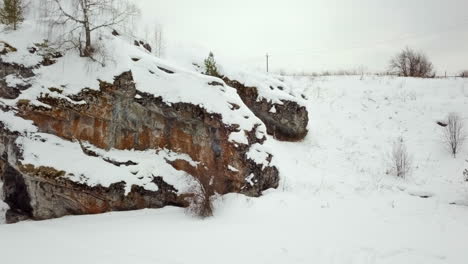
(317, 35)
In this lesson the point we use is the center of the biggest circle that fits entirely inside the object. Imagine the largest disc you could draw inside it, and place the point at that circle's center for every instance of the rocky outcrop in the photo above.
(43, 193)
(117, 116)
(287, 121)
(78, 137)
(9, 91)
(114, 118)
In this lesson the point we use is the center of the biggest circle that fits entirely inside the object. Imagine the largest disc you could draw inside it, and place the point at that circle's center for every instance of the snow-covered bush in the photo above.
(210, 65)
(454, 134)
(400, 159)
(200, 200)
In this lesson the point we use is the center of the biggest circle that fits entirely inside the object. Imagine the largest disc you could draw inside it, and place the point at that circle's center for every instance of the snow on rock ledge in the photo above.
(76, 138)
(283, 114)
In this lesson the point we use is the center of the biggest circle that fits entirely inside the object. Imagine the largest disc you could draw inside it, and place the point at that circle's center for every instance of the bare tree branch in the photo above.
(80, 18)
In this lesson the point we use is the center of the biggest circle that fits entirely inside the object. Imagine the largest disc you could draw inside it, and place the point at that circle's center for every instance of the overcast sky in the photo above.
(317, 35)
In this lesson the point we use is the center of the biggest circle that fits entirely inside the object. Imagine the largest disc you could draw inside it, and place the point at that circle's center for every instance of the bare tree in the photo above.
(11, 12)
(154, 37)
(454, 134)
(158, 40)
(401, 161)
(409, 63)
(80, 18)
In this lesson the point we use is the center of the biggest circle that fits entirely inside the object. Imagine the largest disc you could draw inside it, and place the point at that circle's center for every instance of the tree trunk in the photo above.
(87, 49)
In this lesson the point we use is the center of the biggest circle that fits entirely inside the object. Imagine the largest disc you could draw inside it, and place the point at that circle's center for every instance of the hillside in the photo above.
(335, 203)
(136, 156)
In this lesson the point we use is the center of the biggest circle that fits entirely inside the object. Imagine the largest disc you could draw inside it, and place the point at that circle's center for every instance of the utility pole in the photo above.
(267, 56)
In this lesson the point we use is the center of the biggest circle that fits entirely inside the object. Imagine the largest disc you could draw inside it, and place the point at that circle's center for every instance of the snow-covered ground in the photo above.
(336, 203)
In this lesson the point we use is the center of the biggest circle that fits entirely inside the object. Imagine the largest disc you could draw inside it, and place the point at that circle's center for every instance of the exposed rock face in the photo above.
(114, 118)
(287, 122)
(9, 91)
(42, 193)
(118, 116)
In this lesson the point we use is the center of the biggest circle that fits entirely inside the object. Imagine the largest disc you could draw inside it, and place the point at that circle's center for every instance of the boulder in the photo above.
(286, 121)
(18, 72)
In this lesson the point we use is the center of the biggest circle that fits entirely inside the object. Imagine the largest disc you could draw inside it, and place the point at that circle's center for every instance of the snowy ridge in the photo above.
(72, 73)
(269, 87)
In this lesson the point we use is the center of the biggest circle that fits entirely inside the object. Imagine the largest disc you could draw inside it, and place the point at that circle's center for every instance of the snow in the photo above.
(15, 123)
(249, 179)
(269, 87)
(238, 137)
(258, 154)
(335, 203)
(14, 80)
(42, 150)
(231, 168)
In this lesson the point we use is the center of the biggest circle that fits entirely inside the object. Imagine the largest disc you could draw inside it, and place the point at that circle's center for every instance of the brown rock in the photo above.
(113, 118)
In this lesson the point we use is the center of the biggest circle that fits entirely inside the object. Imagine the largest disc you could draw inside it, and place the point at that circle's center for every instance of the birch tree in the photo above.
(81, 18)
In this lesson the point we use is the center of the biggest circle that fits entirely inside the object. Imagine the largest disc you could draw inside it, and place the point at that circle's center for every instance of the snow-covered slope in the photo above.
(335, 204)
(355, 122)
(72, 73)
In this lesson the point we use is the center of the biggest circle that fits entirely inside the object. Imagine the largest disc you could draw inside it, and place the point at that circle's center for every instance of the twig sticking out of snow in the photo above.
(454, 134)
(401, 162)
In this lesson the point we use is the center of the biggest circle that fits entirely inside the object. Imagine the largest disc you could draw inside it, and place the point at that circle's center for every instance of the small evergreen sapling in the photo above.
(210, 66)
(11, 12)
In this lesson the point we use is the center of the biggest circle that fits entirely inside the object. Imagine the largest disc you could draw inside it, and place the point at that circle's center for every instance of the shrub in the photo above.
(409, 63)
(464, 74)
(401, 162)
(201, 204)
(454, 134)
(210, 66)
